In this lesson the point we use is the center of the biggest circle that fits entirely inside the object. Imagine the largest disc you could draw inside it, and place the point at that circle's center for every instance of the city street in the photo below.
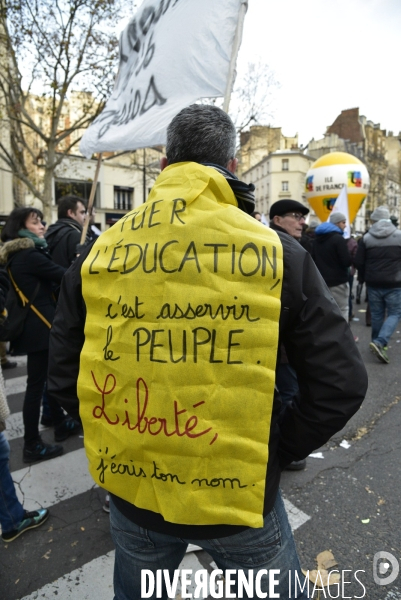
(346, 501)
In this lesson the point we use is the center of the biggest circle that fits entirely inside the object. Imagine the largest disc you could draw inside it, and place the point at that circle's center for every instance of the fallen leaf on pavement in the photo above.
(325, 560)
(360, 433)
(322, 577)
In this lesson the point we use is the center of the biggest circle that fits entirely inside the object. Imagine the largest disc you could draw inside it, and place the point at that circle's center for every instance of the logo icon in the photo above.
(309, 184)
(385, 563)
(329, 202)
(354, 179)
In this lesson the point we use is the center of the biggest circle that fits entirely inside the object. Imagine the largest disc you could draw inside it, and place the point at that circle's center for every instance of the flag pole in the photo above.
(91, 199)
(234, 54)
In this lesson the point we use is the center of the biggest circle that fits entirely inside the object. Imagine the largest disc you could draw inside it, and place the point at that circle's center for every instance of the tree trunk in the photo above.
(47, 199)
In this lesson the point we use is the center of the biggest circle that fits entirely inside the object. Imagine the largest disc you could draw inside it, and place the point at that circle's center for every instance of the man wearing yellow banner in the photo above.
(168, 331)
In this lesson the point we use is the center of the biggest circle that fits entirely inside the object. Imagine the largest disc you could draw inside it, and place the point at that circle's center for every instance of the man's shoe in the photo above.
(68, 427)
(380, 352)
(31, 520)
(46, 421)
(41, 451)
(9, 365)
(296, 465)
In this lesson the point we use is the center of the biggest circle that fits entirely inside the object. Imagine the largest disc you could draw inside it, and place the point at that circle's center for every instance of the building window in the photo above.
(123, 198)
(284, 186)
(285, 164)
(82, 189)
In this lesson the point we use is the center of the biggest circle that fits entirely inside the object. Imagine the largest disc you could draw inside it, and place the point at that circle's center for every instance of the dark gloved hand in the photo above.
(80, 248)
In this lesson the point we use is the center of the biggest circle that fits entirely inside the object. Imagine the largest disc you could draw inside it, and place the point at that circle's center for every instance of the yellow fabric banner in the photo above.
(178, 367)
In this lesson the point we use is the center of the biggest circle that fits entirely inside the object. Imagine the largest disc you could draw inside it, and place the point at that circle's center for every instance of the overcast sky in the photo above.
(328, 55)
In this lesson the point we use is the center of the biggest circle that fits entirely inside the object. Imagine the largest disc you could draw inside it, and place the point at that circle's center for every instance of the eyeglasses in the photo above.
(296, 216)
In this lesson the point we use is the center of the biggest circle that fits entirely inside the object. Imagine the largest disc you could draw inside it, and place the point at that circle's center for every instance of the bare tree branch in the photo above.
(54, 48)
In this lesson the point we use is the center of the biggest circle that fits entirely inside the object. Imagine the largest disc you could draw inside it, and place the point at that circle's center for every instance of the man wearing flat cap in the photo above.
(288, 216)
(332, 258)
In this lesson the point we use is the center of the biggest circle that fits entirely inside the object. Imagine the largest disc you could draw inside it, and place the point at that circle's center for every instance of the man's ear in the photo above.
(70, 213)
(276, 219)
(232, 165)
(163, 163)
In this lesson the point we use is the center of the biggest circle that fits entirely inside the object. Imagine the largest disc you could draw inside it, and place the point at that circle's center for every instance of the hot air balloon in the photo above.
(328, 175)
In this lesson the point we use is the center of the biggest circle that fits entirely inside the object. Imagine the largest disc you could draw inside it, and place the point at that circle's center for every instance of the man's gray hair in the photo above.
(201, 133)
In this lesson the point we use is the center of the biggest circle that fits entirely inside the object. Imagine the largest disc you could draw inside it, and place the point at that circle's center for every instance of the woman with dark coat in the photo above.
(24, 255)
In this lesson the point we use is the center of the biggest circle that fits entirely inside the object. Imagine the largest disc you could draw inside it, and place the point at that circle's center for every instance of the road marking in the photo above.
(192, 563)
(15, 426)
(95, 580)
(20, 360)
(393, 595)
(296, 516)
(15, 385)
(61, 478)
(48, 483)
(52, 481)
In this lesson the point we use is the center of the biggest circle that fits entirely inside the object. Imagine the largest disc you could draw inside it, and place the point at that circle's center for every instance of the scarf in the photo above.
(242, 191)
(39, 242)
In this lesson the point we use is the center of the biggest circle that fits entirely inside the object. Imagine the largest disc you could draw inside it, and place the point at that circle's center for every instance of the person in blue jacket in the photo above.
(332, 258)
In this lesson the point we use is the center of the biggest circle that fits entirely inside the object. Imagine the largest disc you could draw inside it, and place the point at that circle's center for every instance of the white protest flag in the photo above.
(172, 53)
(341, 205)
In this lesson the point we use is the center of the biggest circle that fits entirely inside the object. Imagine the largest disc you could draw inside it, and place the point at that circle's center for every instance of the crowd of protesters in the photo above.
(33, 265)
(374, 258)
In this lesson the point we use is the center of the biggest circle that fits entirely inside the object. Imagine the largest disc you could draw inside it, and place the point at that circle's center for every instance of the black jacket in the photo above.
(4, 287)
(331, 255)
(378, 258)
(331, 375)
(63, 238)
(28, 266)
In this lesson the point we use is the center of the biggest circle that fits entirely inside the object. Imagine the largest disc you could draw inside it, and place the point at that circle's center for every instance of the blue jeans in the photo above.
(270, 547)
(11, 510)
(380, 301)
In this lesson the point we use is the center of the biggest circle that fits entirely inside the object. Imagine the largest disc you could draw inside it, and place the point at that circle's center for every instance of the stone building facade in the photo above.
(258, 142)
(278, 176)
